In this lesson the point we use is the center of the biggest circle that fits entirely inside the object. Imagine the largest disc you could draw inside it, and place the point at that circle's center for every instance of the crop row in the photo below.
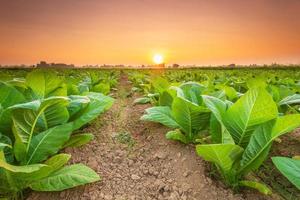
(232, 120)
(41, 113)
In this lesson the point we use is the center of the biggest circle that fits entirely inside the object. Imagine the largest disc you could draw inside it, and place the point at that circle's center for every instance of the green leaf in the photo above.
(182, 114)
(45, 83)
(166, 98)
(142, 100)
(253, 108)
(18, 169)
(255, 185)
(6, 146)
(8, 96)
(216, 106)
(103, 88)
(230, 92)
(218, 130)
(65, 178)
(58, 161)
(51, 165)
(285, 124)
(79, 140)
(262, 138)
(223, 155)
(48, 143)
(289, 100)
(77, 104)
(290, 168)
(160, 114)
(215, 130)
(160, 84)
(99, 103)
(176, 135)
(34, 117)
(191, 91)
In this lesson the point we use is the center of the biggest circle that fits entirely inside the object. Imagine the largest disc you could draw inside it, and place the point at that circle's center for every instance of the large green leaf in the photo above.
(191, 91)
(45, 83)
(98, 104)
(65, 178)
(160, 114)
(290, 168)
(262, 138)
(190, 117)
(252, 109)
(34, 117)
(166, 98)
(182, 114)
(48, 143)
(77, 104)
(160, 84)
(20, 169)
(103, 88)
(51, 165)
(223, 155)
(8, 96)
(218, 130)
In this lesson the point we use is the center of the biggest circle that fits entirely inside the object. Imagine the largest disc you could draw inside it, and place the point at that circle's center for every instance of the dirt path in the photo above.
(136, 162)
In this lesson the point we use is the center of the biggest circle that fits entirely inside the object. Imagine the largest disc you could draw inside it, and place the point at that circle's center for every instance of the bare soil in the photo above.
(136, 162)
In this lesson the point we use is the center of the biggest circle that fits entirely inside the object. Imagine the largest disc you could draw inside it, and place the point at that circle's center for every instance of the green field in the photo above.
(241, 123)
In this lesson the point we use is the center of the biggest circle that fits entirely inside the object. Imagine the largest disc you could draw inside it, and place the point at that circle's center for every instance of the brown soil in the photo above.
(136, 162)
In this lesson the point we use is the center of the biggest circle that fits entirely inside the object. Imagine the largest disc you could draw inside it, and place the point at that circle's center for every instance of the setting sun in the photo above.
(158, 59)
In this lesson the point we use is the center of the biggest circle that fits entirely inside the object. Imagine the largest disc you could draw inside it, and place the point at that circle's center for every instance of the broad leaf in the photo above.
(48, 143)
(79, 140)
(8, 96)
(182, 114)
(253, 108)
(290, 168)
(160, 114)
(77, 104)
(192, 92)
(218, 130)
(166, 98)
(65, 178)
(45, 84)
(18, 169)
(223, 155)
(160, 84)
(98, 104)
(51, 165)
(34, 117)
(262, 138)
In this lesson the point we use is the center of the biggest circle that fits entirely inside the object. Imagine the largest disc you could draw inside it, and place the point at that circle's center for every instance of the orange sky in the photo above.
(131, 31)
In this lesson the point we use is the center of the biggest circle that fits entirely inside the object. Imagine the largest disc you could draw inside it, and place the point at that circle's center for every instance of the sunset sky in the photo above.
(132, 31)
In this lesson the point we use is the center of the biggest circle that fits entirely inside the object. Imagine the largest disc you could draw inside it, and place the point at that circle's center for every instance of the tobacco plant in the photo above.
(242, 135)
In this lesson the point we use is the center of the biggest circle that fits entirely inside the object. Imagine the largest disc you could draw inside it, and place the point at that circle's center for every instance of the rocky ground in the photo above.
(136, 162)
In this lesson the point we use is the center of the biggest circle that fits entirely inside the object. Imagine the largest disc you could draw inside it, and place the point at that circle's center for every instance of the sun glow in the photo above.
(158, 59)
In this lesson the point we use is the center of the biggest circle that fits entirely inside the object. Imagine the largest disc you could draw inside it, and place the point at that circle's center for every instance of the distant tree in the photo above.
(175, 65)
